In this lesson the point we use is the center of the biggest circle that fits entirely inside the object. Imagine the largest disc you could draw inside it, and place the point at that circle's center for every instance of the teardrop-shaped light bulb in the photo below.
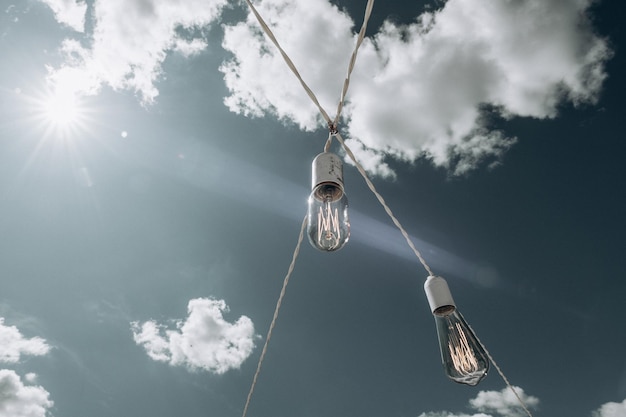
(328, 227)
(463, 357)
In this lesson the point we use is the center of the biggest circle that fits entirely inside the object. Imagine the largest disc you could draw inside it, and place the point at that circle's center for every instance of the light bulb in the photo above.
(328, 226)
(464, 359)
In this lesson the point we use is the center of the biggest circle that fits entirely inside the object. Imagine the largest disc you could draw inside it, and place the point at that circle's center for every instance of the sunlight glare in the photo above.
(62, 109)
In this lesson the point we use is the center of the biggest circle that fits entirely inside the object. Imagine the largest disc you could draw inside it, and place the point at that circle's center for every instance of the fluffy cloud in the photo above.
(504, 403)
(130, 41)
(318, 38)
(494, 403)
(420, 90)
(447, 414)
(611, 410)
(13, 344)
(69, 12)
(203, 341)
(19, 400)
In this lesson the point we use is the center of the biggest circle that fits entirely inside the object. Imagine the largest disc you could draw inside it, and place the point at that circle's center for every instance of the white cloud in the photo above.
(205, 340)
(19, 400)
(418, 90)
(130, 42)
(31, 377)
(69, 12)
(189, 48)
(611, 410)
(447, 414)
(504, 403)
(319, 40)
(494, 404)
(13, 344)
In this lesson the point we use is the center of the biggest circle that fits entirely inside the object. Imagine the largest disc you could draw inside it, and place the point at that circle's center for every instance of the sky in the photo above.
(155, 163)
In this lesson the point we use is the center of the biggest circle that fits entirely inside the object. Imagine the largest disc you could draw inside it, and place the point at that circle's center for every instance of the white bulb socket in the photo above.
(439, 296)
(327, 169)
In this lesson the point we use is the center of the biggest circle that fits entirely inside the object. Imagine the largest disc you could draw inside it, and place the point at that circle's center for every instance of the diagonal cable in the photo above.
(420, 257)
(275, 317)
(333, 128)
(289, 62)
(381, 200)
(506, 380)
(346, 83)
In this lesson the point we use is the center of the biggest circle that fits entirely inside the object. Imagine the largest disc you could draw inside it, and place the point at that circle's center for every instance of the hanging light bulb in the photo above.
(464, 359)
(328, 227)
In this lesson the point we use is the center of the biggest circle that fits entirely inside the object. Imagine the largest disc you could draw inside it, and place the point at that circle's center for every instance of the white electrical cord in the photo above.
(346, 83)
(381, 200)
(332, 125)
(289, 62)
(276, 310)
(421, 259)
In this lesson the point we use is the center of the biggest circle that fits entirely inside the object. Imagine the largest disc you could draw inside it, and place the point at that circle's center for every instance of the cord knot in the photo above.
(332, 128)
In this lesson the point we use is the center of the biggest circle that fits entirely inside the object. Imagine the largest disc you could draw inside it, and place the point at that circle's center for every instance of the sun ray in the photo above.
(62, 109)
(62, 113)
(60, 119)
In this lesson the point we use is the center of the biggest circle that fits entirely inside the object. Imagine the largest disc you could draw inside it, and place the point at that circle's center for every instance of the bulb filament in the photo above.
(463, 357)
(328, 225)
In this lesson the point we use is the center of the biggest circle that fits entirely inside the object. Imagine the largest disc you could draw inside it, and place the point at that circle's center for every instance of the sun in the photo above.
(61, 109)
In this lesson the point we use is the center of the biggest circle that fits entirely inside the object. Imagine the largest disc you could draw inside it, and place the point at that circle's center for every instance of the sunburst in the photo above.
(59, 119)
(62, 112)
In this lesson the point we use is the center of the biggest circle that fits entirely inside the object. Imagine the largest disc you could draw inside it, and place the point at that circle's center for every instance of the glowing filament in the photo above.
(328, 225)
(463, 357)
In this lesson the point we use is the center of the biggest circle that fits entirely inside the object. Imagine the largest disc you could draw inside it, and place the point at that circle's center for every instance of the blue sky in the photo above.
(154, 169)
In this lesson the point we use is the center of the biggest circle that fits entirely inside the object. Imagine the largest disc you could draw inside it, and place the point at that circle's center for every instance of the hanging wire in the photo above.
(506, 380)
(380, 198)
(276, 310)
(419, 255)
(289, 62)
(329, 141)
(334, 132)
(346, 83)
(331, 123)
